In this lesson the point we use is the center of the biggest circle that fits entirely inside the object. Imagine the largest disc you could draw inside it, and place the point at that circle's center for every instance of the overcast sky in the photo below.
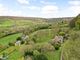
(40, 8)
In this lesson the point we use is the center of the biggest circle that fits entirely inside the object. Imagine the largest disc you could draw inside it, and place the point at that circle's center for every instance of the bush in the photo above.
(40, 57)
(36, 52)
(31, 43)
(77, 24)
(45, 47)
(11, 44)
(27, 49)
(19, 38)
(3, 47)
(57, 46)
(75, 35)
(61, 33)
(22, 42)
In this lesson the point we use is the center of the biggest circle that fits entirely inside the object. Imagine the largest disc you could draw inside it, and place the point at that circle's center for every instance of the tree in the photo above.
(11, 44)
(19, 38)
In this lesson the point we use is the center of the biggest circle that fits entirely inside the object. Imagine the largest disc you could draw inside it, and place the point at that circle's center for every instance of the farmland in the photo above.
(39, 39)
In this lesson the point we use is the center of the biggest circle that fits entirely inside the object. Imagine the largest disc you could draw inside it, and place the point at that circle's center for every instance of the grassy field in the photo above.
(44, 35)
(12, 23)
(12, 53)
(53, 55)
(15, 55)
(10, 38)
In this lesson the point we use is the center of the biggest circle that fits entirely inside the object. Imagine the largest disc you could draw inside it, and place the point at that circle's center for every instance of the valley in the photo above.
(29, 38)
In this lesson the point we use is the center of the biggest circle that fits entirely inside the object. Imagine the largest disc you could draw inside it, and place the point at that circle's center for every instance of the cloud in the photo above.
(75, 9)
(47, 2)
(75, 6)
(34, 7)
(42, 2)
(49, 9)
(15, 13)
(23, 1)
(4, 11)
(74, 2)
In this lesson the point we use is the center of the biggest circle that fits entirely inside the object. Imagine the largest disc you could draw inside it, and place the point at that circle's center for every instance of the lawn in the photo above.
(12, 53)
(15, 55)
(10, 38)
(44, 35)
(55, 55)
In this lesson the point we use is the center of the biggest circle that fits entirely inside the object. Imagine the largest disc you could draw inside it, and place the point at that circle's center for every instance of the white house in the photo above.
(24, 37)
(18, 43)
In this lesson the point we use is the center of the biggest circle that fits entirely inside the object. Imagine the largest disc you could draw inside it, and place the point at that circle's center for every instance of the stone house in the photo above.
(17, 43)
(58, 39)
(24, 37)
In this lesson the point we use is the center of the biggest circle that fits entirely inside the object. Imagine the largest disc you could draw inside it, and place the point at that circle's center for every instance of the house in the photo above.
(17, 43)
(24, 37)
(3, 58)
(58, 39)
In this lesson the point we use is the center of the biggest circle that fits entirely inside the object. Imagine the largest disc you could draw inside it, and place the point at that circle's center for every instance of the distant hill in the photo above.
(60, 19)
(36, 18)
(20, 18)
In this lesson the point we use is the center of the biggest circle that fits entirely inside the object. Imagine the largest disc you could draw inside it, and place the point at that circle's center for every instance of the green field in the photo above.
(44, 35)
(53, 55)
(39, 39)
(10, 38)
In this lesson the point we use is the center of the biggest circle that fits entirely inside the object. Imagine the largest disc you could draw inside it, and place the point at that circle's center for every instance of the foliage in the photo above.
(42, 35)
(27, 49)
(61, 33)
(19, 38)
(71, 47)
(75, 22)
(57, 46)
(11, 44)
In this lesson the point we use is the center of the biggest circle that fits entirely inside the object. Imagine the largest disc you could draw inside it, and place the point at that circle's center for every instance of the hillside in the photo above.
(20, 18)
(71, 48)
(60, 19)
(35, 18)
(34, 38)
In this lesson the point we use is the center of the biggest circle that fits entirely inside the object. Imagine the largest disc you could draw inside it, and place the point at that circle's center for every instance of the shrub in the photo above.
(27, 50)
(45, 48)
(22, 42)
(36, 52)
(75, 35)
(40, 57)
(61, 33)
(57, 46)
(19, 38)
(5, 54)
(31, 43)
(11, 44)
(3, 47)
(77, 25)
(34, 38)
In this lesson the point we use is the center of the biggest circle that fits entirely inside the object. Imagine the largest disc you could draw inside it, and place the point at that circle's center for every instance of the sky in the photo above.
(40, 8)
